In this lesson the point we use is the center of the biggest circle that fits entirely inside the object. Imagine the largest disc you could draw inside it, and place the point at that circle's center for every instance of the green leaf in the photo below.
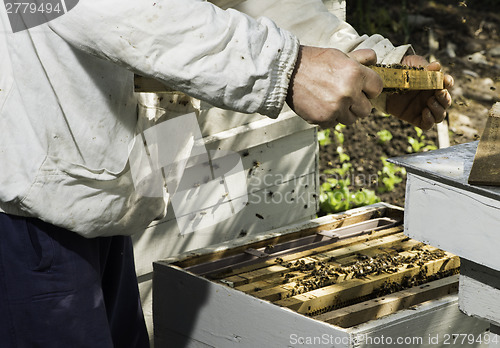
(384, 136)
(324, 137)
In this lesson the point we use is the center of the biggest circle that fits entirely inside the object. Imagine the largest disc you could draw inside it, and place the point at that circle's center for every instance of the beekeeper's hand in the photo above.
(421, 108)
(328, 86)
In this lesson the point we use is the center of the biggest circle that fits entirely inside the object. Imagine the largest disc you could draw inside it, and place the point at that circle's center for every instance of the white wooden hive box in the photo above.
(257, 292)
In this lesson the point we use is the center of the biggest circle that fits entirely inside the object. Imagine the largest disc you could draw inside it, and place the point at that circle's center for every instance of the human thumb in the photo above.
(364, 56)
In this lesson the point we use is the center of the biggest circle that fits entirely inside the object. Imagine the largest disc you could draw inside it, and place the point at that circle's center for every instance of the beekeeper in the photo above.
(68, 115)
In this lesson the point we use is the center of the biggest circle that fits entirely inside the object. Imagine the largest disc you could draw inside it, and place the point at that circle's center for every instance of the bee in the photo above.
(269, 247)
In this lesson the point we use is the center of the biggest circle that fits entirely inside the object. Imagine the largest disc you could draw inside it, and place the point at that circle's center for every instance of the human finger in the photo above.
(373, 84)
(415, 60)
(448, 81)
(348, 116)
(364, 56)
(437, 110)
(426, 120)
(443, 97)
(434, 66)
(361, 107)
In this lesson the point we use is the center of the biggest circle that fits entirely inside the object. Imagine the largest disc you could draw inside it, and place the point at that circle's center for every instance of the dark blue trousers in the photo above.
(58, 289)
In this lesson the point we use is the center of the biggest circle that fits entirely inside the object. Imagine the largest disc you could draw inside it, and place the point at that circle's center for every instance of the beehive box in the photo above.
(346, 280)
(279, 164)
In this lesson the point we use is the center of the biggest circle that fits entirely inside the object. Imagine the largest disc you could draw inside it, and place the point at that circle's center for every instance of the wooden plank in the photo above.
(479, 300)
(344, 255)
(162, 239)
(219, 316)
(409, 78)
(293, 232)
(481, 273)
(486, 166)
(443, 133)
(322, 299)
(427, 325)
(388, 304)
(294, 284)
(278, 270)
(222, 317)
(479, 290)
(310, 252)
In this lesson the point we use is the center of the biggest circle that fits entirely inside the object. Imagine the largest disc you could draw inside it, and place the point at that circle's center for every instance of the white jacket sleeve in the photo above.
(223, 57)
(314, 25)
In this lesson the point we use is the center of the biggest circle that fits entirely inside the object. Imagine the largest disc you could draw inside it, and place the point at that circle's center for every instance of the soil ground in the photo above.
(465, 37)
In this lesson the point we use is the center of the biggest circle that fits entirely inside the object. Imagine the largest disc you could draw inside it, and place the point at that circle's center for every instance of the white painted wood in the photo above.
(190, 306)
(494, 340)
(352, 215)
(480, 273)
(278, 156)
(281, 166)
(256, 133)
(479, 299)
(167, 105)
(494, 336)
(430, 324)
(458, 221)
(157, 247)
(285, 165)
(214, 120)
(466, 224)
(443, 134)
(164, 240)
(222, 317)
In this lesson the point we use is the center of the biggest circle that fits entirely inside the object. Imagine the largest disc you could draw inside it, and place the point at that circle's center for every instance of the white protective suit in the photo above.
(68, 113)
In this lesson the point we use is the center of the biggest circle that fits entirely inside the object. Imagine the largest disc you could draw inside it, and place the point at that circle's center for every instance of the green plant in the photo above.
(420, 143)
(390, 176)
(336, 196)
(336, 193)
(339, 136)
(384, 136)
(324, 137)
